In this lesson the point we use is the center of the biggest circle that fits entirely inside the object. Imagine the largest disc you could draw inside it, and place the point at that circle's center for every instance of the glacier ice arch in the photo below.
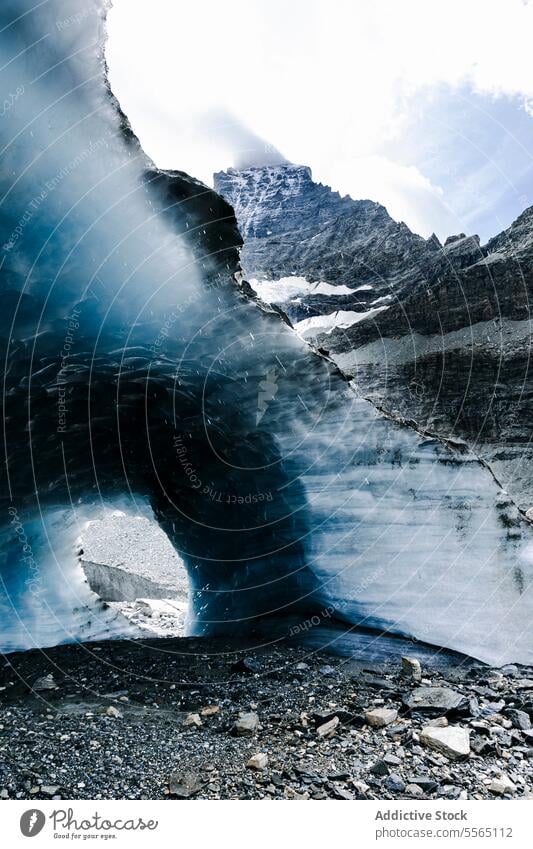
(139, 373)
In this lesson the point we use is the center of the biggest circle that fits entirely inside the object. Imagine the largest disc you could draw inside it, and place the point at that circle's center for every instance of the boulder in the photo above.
(453, 741)
(258, 761)
(379, 717)
(184, 785)
(394, 783)
(380, 768)
(192, 721)
(45, 683)
(434, 700)
(248, 665)
(328, 728)
(502, 785)
(246, 725)
(425, 782)
(415, 791)
(50, 789)
(411, 668)
(519, 718)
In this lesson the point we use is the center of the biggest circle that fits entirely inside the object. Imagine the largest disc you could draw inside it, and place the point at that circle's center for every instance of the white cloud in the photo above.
(325, 81)
(408, 195)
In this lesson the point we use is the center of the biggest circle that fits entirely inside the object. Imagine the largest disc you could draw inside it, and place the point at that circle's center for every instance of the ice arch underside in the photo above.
(139, 374)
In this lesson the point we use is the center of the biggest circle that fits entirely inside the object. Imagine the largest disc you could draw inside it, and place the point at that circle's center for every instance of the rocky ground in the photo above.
(196, 718)
(130, 564)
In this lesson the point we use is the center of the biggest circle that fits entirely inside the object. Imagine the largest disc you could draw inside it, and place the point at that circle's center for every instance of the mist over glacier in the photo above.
(139, 373)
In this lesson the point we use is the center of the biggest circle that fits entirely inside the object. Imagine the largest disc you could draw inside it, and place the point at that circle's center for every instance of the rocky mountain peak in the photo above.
(516, 240)
(293, 225)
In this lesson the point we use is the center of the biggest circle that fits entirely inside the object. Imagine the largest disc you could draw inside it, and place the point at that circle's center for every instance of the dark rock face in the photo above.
(294, 226)
(456, 356)
(451, 350)
(201, 216)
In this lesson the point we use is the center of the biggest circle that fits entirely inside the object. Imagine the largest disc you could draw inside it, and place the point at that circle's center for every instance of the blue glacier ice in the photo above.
(139, 373)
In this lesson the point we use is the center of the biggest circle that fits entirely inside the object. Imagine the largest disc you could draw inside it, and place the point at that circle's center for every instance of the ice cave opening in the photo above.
(140, 369)
(130, 563)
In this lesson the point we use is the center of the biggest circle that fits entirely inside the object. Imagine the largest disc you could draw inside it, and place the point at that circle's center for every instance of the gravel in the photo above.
(114, 725)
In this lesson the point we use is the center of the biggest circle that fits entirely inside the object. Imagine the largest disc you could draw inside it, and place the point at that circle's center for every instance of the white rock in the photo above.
(454, 742)
(361, 786)
(414, 790)
(289, 793)
(438, 722)
(411, 668)
(328, 728)
(246, 725)
(50, 789)
(45, 683)
(502, 785)
(379, 717)
(193, 720)
(258, 761)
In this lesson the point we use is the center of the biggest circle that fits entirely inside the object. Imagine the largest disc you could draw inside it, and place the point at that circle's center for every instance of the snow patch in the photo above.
(158, 617)
(278, 291)
(327, 323)
(491, 259)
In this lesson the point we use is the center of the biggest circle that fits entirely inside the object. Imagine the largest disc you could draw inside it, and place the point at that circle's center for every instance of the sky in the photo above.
(423, 105)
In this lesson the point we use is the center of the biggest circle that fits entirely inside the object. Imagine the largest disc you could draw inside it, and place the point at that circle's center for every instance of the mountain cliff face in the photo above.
(438, 334)
(293, 226)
